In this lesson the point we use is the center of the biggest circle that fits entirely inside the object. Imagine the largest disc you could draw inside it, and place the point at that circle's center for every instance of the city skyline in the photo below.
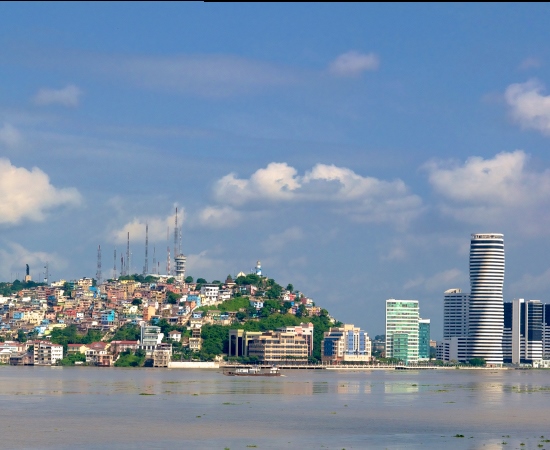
(358, 149)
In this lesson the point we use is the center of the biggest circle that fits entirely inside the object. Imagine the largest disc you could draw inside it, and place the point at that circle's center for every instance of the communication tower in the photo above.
(98, 271)
(146, 266)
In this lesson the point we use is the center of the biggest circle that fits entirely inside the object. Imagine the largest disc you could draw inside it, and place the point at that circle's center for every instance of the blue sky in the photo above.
(353, 149)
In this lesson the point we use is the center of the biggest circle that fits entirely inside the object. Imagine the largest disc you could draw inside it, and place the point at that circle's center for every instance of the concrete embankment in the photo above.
(193, 365)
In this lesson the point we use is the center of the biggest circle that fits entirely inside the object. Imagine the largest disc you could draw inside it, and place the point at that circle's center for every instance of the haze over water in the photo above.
(89, 408)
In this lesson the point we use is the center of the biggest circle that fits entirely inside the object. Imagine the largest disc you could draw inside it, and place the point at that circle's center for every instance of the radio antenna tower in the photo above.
(146, 267)
(176, 234)
(168, 261)
(154, 260)
(98, 271)
(114, 266)
(128, 255)
(121, 265)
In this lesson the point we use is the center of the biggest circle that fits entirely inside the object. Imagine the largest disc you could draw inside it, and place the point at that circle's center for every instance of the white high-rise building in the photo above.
(486, 307)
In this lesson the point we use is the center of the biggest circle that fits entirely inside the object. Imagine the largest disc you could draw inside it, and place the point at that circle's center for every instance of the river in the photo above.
(89, 408)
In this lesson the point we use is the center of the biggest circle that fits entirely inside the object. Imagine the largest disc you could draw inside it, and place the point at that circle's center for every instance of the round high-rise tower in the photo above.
(486, 310)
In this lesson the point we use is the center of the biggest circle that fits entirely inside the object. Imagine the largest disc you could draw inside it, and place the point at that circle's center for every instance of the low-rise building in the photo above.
(46, 353)
(277, 346)
(346, 344)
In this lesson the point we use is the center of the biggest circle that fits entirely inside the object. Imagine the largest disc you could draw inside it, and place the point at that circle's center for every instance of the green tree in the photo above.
(201, 281)
(172, 298)
(171, 280)
(21, 336)
(188, 279)
(477, 362)
(136, 301)
(290, 287)
(128, 332)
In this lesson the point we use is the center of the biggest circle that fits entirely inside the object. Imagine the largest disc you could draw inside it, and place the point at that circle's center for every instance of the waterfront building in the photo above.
(239, 340)
(523, 331)
(423, 339)
(402, 330)
(278, 346)
(46, 353)
(347, 343)
(546, 332)
(151, 336)
(455, 313)
(305, 330)
(486, 306)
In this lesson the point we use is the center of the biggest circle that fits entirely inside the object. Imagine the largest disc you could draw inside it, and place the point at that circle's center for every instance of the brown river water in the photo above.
(98, 408)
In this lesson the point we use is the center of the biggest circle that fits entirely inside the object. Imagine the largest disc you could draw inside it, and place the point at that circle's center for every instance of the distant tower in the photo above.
(114, 265)
(168, 261)
(180, 267)
(154, 260)
(46, 273)
(128, 255)
(121, 265)
(146, 266)
(259, 268)
(98, 271)
(27, 274)
(176, 235)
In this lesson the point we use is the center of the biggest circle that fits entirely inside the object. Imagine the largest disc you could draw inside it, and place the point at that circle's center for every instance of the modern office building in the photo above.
(402, 330)
(523, 331)
(486, 306)
(546, 331)
(423, 339)
(347, 343)
(455, 313)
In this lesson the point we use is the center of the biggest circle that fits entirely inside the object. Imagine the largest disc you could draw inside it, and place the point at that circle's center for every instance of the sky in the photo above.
(352, 148)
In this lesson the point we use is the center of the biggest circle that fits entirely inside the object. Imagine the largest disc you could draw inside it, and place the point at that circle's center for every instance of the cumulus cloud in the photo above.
(158, 228)
(9, 135)
(353, 63)
(218, 216)
(497, 191)
(14, 256)
(28, 194)
(206, 262)
(439, 281)
(365, 199)
(528, 106)
(278, 241)
(67, 96)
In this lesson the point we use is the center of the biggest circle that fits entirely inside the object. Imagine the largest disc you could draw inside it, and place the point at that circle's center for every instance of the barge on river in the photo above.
(253, 372)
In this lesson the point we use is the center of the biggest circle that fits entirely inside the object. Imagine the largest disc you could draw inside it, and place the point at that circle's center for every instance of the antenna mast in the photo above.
(154, 260)
(98, 271)
(114, 266)
(128, 255)
(146, 267)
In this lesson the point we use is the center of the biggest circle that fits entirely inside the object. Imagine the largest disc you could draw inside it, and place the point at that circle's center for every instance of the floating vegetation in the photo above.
(251, 446)
(458, 435)
(145, 393)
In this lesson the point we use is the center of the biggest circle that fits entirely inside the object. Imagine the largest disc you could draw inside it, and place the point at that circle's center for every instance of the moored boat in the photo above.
(253, 371)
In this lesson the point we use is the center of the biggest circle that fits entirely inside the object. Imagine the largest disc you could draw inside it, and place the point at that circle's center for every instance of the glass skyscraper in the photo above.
(402, 330)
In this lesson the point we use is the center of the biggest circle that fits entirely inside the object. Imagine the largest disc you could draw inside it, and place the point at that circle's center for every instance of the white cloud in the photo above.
(278, 241)
(202, 264)
(14, 257)
(498, 191)
(9, 135)
(352, 64)
(366, 199)
(28, 194)
(203, 75)
(528, 106)
(439, 281)
(528, 284)
(530, 63)
(67, 96)
(218, 216)
(158, 229)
